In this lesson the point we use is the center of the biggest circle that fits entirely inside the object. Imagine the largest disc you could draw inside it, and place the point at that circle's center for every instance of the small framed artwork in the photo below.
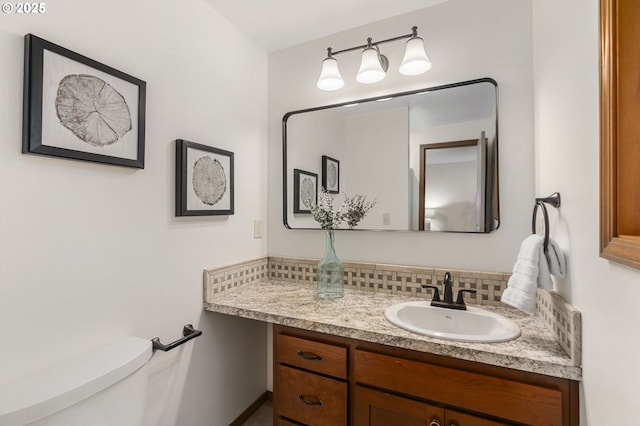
(330, 174)
(305, 188)
(75, 107)
(204, 180)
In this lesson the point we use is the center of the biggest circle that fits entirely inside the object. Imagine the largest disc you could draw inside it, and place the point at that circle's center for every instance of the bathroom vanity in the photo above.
(323, 379)
(339, 362)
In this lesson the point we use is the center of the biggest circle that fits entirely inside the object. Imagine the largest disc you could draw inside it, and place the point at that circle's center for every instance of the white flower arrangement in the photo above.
(352, 210)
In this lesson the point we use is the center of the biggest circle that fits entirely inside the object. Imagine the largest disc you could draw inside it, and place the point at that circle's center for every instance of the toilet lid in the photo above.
(62, 385)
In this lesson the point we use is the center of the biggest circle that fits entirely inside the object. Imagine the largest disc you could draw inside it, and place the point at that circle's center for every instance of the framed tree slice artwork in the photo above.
(330, 174)
(204, 180)
(75, 107)
(305, 188)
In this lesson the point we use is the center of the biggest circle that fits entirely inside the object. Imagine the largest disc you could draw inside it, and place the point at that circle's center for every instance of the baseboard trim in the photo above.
(244, 416)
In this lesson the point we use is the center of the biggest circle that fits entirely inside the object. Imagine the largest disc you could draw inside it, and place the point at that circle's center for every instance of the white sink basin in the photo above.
(472, 325)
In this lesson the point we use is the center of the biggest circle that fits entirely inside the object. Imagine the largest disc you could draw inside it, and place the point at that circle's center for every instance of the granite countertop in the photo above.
(360, 315)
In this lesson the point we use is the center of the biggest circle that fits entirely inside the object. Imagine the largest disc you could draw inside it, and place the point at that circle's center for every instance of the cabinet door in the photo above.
(376, 408)
(500, 397)
(455, 418)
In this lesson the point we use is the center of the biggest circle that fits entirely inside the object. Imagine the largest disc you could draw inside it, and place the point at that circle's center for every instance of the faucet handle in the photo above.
(460, 298)
(436, 293)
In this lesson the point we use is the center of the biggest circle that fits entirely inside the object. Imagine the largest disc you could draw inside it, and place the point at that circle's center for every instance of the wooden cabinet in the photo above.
(311, 381)
(378, 408)
(479, 392)
(367, 384)
(455, 418)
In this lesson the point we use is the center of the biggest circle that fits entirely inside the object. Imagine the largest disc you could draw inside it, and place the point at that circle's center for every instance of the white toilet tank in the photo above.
(105, 387)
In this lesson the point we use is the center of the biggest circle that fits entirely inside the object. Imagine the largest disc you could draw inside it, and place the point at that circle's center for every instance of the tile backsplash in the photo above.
(563, 321)
(220, 281)
(395, 279)
(560, 318)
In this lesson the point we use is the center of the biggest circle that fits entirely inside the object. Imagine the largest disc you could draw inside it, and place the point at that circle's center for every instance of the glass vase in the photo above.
(330, 272)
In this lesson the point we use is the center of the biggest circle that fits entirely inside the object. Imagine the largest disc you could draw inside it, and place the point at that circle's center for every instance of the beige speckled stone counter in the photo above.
(360, 315)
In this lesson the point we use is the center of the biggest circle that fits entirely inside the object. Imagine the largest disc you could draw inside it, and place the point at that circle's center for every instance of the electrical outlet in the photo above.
(257, 228)
(386, 218)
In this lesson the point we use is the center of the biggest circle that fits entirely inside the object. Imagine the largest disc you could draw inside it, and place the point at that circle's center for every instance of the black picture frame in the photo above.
(304, 182)
(204, 180)
(60, 116)
(330, 174)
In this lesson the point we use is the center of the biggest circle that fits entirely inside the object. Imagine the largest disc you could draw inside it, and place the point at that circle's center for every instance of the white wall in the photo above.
(451, 189)
(567, 161)
(91, 253)
(377, 167)
(465, 39)
(323, 134)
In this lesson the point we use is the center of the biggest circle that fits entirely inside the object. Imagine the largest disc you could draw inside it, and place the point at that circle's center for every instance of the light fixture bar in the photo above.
(414, 32)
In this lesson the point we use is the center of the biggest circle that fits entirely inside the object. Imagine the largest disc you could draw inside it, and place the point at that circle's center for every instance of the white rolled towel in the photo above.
(533, 270)
(522, 285)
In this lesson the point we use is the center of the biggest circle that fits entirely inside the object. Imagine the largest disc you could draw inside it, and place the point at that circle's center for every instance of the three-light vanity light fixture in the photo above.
(374, 65)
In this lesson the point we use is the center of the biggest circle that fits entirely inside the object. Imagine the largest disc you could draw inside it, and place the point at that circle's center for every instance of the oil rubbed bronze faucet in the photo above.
(448, 295)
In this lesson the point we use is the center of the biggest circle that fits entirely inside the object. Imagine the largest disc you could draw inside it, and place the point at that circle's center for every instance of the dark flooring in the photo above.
(262, 417)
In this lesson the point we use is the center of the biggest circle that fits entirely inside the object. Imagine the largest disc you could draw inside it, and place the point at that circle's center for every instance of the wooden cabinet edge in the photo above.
(623, 250)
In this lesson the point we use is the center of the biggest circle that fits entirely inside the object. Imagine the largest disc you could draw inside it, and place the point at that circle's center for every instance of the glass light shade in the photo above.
(371, 70)
(330, 78)
(415, 58)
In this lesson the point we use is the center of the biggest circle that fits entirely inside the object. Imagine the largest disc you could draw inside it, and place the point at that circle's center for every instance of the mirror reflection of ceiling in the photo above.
(455, 105)
(379, 143)
(438, 107)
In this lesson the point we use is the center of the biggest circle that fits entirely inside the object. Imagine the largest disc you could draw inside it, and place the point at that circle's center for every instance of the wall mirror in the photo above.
(429, 157)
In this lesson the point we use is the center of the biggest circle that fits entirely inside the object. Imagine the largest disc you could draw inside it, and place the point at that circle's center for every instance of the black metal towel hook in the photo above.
(187, 331)
(553, 200)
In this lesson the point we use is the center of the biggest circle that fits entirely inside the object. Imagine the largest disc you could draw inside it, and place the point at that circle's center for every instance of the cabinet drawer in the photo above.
(315, 356)
(310, 398)
(517, 401)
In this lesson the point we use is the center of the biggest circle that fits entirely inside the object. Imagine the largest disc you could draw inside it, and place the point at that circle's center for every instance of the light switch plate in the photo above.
(257, 228)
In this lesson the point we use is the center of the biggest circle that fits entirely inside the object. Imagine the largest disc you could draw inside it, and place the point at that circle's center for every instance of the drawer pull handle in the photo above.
(310, 356)
(309, 402)
(434, 422)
